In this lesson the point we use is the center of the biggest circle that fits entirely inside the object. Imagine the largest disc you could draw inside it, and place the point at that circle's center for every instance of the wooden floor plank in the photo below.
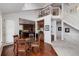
(47, 50)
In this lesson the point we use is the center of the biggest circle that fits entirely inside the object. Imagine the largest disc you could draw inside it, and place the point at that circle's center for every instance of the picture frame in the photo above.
(59, 28)
(46, 27)
(67, 30)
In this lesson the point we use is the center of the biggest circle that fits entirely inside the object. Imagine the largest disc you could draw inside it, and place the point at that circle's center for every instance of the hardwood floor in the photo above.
(47, 50)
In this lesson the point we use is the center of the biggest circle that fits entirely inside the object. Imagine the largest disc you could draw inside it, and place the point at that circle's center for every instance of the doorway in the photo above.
(26, 27)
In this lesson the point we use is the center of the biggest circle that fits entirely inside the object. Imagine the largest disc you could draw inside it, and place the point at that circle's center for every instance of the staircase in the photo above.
(72, 19)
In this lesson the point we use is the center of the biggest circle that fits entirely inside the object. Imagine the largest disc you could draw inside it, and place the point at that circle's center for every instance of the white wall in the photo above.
(0, 29)
(53, 28)
(3, 31)
(47, 34)
(58, 32)
(72, 19)
(72, 36)
(30, 15)
(9, 31)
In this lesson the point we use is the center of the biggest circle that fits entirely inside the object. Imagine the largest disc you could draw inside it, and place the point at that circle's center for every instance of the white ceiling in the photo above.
(31, 6)
(10, 7)
(6, 8)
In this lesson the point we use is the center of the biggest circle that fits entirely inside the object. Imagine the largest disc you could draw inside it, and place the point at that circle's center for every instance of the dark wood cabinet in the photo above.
(40, 24)
(29, 27)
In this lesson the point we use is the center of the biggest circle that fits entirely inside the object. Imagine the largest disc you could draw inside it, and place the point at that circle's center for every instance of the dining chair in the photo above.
(41, 40)
(35, 47)
(31, 37)
(34, 44)
(15, 44)
(22, 47)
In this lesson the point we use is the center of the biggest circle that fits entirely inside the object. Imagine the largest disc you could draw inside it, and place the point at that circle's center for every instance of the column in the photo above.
(62, 32)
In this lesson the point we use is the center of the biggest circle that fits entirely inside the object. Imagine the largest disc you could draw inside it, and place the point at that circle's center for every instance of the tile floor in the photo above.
(66, 47)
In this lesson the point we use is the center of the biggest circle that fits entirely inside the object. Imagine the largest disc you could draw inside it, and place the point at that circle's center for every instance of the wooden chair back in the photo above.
(22, 47)
(15, 44)
(41, 39)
